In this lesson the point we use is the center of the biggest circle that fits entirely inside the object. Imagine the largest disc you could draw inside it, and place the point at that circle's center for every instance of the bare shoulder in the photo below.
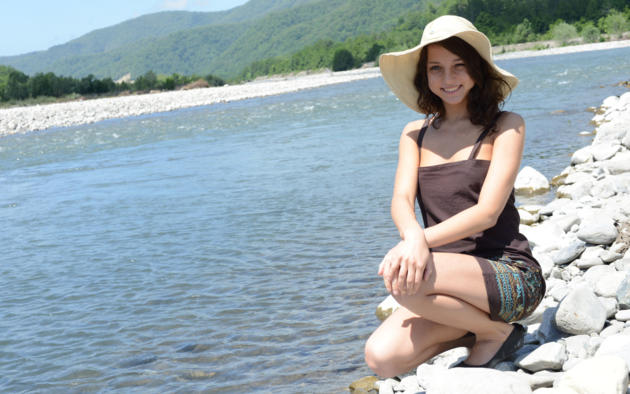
(412, 129)
(510, 121)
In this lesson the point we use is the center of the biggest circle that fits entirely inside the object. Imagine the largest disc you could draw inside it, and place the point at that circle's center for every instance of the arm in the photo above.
(403, 267)
(507, 152)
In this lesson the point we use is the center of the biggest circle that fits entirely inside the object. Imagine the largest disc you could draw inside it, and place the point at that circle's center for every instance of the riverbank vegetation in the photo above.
(504, 21)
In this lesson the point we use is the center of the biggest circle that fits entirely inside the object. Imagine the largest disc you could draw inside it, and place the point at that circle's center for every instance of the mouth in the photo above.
(451, 90)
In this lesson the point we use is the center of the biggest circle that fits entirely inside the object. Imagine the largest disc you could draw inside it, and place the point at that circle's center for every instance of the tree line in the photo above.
(15, 85)
(512, 22)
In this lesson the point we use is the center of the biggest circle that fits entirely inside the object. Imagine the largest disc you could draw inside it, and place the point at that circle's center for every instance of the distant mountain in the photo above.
(221, 43)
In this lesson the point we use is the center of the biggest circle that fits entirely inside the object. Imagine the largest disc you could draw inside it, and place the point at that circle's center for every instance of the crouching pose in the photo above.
(463, 278)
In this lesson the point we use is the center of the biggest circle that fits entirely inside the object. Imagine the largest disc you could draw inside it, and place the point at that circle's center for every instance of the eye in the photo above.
(435, 68)
(460, 65)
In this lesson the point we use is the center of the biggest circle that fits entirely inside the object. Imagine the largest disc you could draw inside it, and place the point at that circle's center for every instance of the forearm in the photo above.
(464, 224)
(403, 214)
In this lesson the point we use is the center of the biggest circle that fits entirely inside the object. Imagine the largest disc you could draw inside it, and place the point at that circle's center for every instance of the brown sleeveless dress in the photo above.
(513, 277)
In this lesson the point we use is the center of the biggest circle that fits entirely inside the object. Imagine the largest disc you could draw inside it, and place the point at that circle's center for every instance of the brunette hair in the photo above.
(484, 99)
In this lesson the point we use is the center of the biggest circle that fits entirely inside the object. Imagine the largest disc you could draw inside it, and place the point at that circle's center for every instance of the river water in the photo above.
(233, 247)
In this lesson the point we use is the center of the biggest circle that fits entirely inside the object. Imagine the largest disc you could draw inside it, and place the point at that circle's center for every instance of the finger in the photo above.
(418, 279)
(411, 278)
(401, 278)
(381, 267)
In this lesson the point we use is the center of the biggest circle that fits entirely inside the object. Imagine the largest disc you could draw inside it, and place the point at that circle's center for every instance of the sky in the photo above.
(35, 25)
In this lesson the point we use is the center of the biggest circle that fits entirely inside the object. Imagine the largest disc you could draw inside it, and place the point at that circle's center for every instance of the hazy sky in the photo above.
(34, 25)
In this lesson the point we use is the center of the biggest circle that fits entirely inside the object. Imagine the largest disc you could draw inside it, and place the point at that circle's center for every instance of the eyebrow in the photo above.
(436, 62)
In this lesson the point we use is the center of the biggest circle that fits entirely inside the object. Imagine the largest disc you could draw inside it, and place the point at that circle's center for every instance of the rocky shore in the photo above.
(41, 117)
(578, 339)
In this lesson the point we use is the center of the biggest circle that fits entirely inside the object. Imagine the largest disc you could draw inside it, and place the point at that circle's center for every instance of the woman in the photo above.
(468, 274)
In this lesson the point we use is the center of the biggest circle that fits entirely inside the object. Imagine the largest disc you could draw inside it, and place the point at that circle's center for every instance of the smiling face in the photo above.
(448, 76)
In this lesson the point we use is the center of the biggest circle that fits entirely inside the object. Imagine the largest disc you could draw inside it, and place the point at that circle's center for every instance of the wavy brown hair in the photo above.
(484, 99)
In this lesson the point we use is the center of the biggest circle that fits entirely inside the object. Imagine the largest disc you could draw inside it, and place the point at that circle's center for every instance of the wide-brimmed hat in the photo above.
(399, 68)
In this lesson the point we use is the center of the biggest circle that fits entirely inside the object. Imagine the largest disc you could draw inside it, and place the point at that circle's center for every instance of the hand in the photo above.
(404, 266)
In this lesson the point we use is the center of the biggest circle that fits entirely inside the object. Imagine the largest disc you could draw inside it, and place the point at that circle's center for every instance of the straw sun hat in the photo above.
(399, 68)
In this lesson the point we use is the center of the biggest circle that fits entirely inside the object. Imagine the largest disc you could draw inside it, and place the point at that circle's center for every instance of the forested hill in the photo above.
(221, 43)
(275, 36)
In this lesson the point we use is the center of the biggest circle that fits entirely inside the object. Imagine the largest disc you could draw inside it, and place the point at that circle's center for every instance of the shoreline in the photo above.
(73, 113)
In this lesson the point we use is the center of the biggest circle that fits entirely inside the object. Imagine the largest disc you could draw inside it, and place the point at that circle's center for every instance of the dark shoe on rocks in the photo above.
(513, 342)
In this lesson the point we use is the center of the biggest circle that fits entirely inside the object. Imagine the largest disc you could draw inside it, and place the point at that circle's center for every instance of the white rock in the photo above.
(608, 256)
(604, 151)
(623, 292)
(527, 217)
(594, 274)
(530, 181)
(562, 390)
(608, 285)
(616, 345)
(598, 375)
(578, 177)
(569, 251)
(590, 257)
(548, 356)
(610, 304)
(408, 384)
(386, 386)
(554, 205)
(611, 330)
(547, 236)
(610, 102)
(580, 312)
(559, 292)
(575, 191)
(474, 381)
(577, 346)
(617, 166)
(582, 155)
(623, 315)
(599, 230)
(565, 222)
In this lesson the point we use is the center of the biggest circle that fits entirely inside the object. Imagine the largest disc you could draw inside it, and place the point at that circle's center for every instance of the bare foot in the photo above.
(487, 345)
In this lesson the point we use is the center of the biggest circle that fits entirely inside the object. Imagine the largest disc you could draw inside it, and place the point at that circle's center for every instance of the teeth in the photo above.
(451, 90)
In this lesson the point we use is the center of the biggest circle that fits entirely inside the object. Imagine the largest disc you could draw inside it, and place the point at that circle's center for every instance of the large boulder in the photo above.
(598, 375)
(580, 312)
(530, 181)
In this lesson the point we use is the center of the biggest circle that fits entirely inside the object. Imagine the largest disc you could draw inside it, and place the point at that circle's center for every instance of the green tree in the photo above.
(615, 23)
(16, 88)
(342, 60)
(563, 32)
(524, 32)
(590, 33)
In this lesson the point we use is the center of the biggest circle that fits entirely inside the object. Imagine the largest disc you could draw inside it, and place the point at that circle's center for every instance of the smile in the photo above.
(451, 90)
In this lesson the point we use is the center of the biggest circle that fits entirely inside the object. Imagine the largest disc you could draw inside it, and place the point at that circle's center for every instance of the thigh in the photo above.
(457, 275)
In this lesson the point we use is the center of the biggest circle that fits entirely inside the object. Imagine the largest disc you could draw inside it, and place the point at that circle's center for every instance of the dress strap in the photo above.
(483, 135)
(421, 137)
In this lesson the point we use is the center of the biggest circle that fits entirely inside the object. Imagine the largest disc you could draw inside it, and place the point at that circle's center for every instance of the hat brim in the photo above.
(399, 68)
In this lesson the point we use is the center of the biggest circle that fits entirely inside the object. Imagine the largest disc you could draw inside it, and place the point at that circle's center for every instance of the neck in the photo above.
(455, 113)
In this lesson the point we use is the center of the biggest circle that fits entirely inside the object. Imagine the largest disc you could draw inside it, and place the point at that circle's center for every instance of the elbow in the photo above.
(489, 218)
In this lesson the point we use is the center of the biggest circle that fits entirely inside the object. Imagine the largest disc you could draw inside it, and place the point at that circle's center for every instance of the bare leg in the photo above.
(455, 295)
(405, 340)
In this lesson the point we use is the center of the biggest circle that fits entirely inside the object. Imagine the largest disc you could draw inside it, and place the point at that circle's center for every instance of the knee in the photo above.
(379, 359)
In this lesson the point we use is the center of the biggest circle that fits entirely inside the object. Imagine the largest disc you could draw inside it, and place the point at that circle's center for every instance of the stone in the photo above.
(570, 251)
(575, 191)
(530, 181)
(559, 292)
(611, 330)
(623, 293)
(565, 222)
(582, 155)
(608, 285)
(577, 346)
(599, 230)
(363, 385)
(550, 355)
(386, 307)
(604, 151)
(610, 304)
(554, 205)
(590, 257)
(609, 256)
(386, 386)
(617, 166)
(476, 381)
(623, 315)
(598, 375)
(580, 312)
(408, 384)
(615, 345)
(527, 217)
(594, 274)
